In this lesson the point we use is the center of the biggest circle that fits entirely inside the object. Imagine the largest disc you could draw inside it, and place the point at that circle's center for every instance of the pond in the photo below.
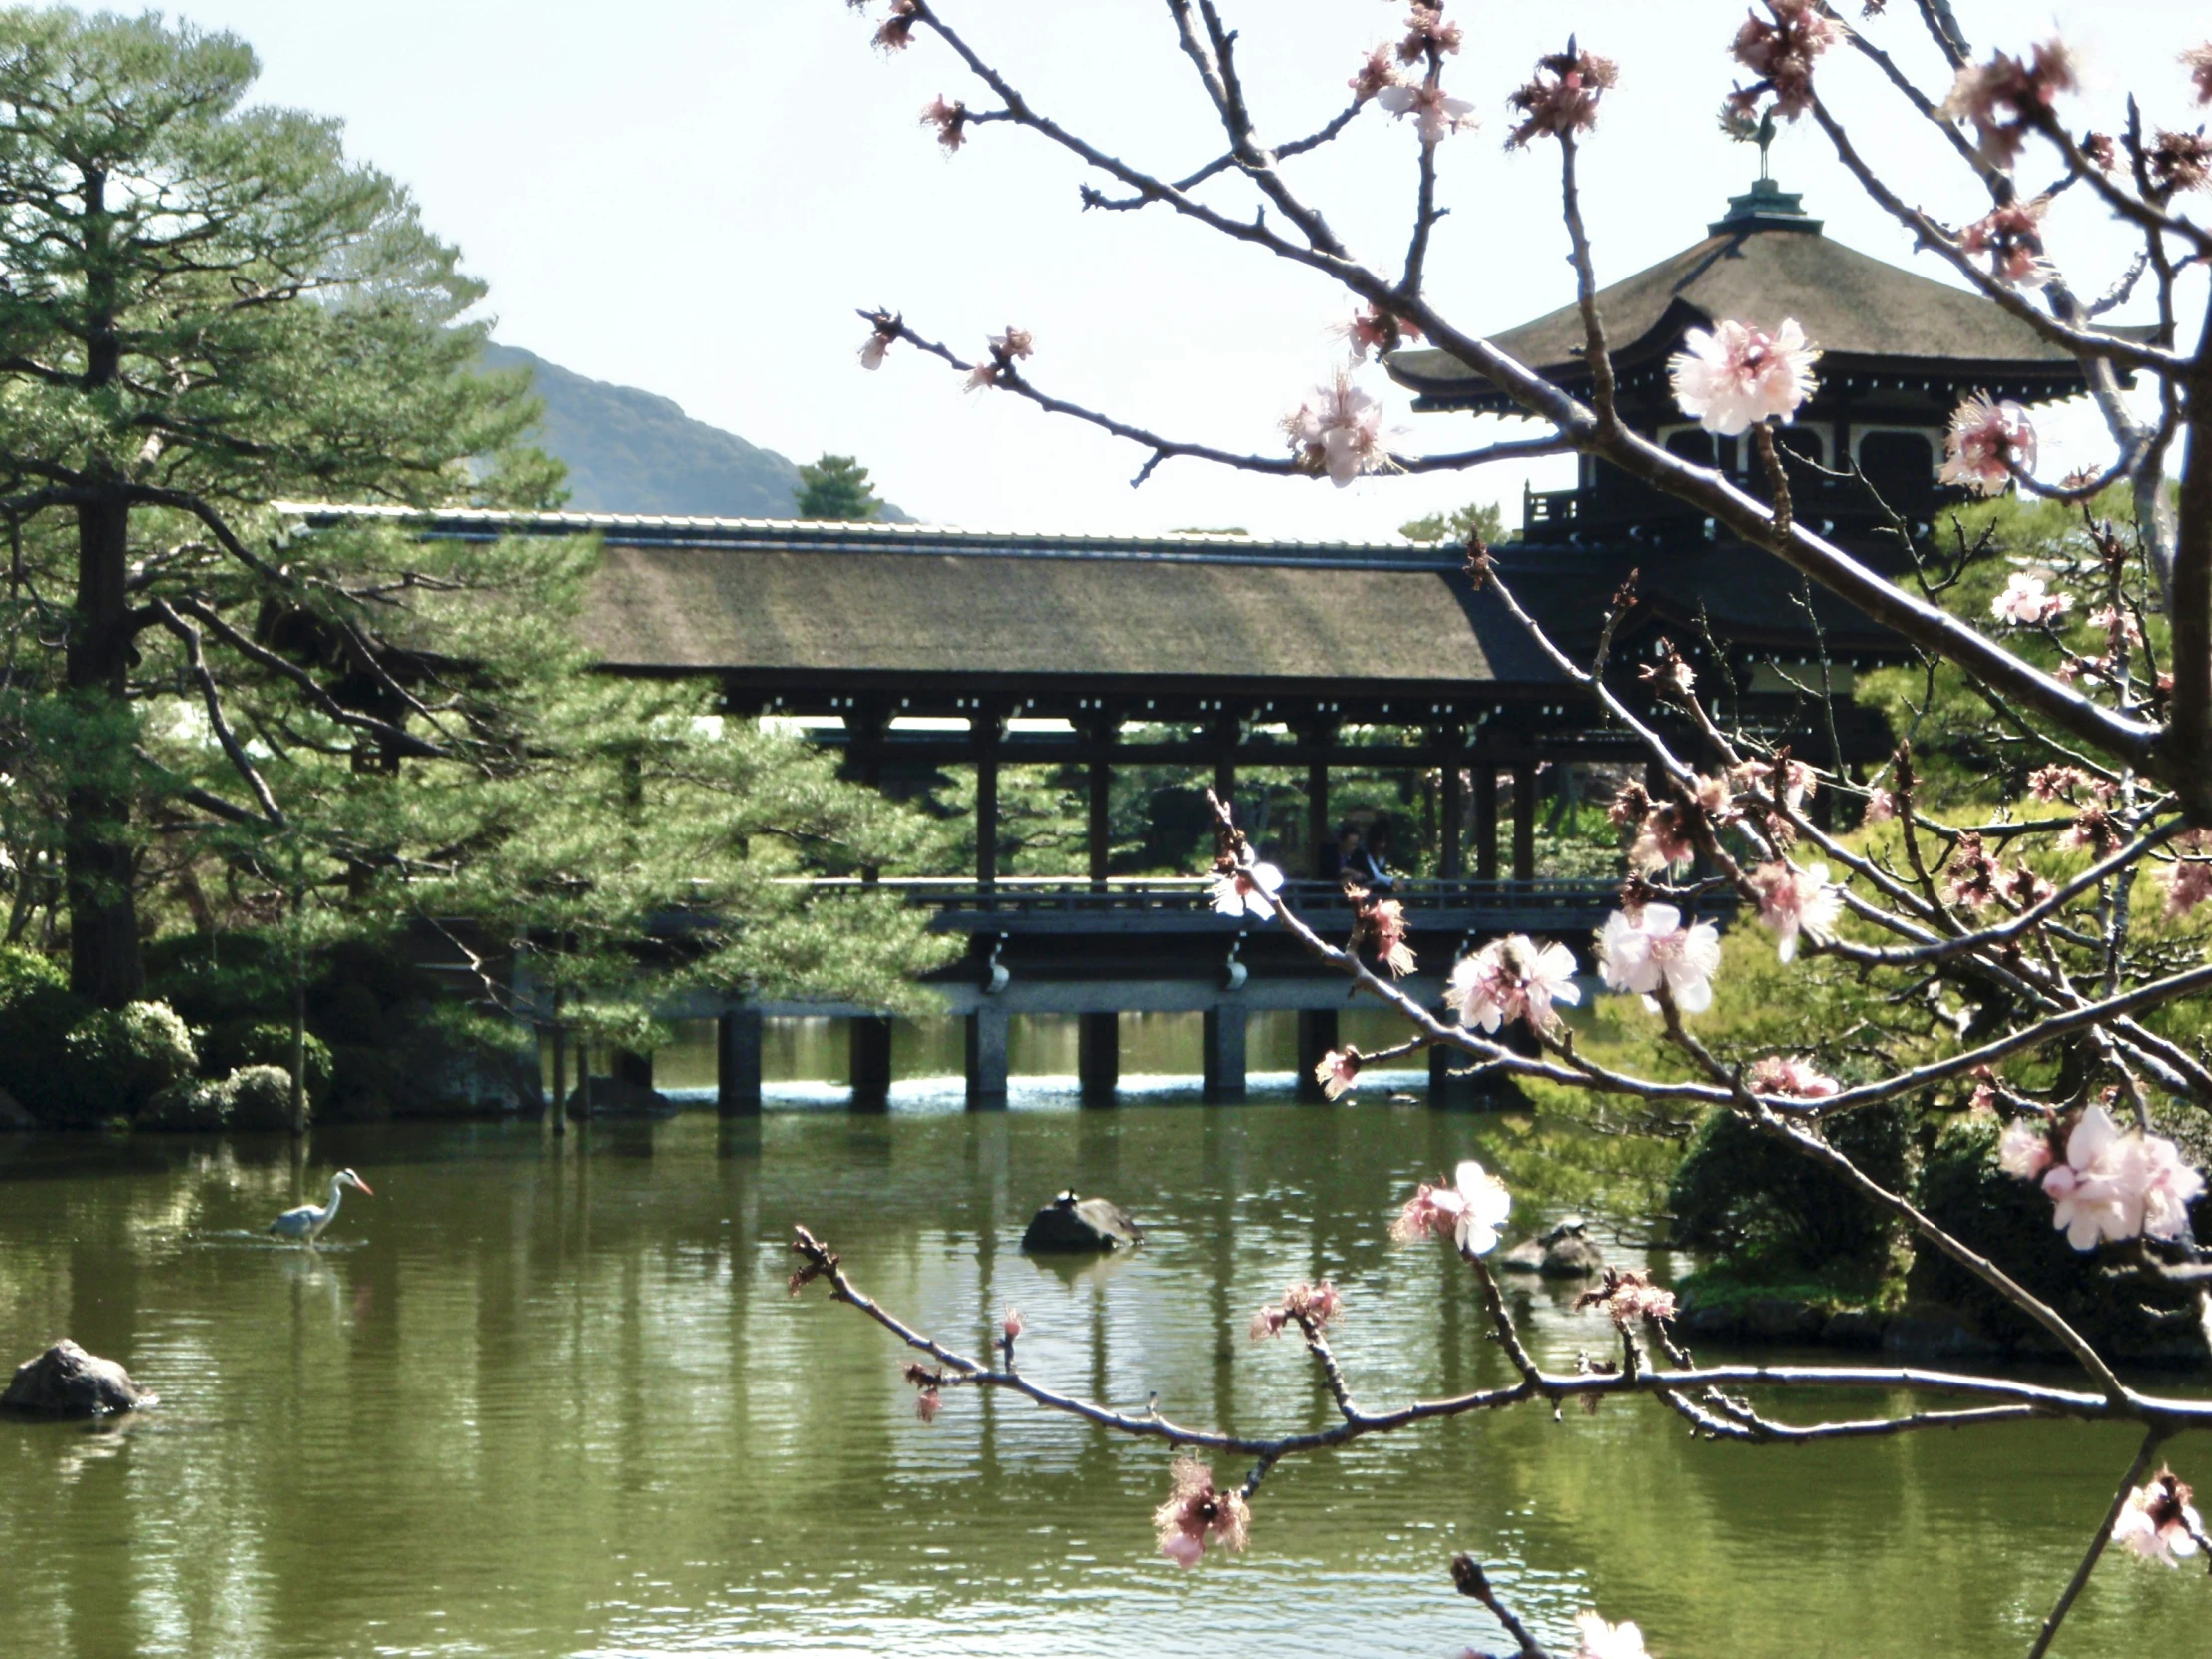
(540, 1398)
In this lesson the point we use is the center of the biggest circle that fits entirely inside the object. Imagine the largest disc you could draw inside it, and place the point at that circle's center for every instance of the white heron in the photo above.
(308, 1222)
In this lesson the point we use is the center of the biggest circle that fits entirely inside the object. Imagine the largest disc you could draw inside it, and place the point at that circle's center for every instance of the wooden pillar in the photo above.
(986, 802)
(1098, 1057)
(1450, 858)
(1525, 822)
(1225, 1055)
(870, 1037)
(1320, 836)
(986, 1036)
(1443, 1088)
(1486, 822)
(1101, 827)
(1317, 1035)
(737, 1062)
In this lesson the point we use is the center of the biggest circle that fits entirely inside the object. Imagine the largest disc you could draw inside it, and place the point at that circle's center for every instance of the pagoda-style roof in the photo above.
(1763, 261)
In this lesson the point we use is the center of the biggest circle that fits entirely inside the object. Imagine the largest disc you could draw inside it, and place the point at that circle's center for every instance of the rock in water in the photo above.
(1570, 1253)
(1073, 1223)
(66, 1381)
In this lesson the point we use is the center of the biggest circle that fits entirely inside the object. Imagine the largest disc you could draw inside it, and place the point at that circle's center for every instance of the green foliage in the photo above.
(249, 1098)
(1477, 519)
(23, 972)
(1746, 1194)
(836, 487)
(237, 1043)
(105, 1065)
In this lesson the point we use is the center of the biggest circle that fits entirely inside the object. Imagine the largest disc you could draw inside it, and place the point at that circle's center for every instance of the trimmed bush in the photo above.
(259, 1097)
(190, 1105)
(246, 1042)
(1762, 1203)
(119, 1058)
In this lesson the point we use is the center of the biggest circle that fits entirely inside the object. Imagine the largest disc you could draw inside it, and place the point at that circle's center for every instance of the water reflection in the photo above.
(541, 1398)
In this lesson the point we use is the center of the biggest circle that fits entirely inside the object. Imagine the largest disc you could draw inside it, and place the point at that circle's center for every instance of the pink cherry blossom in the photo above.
(1882, 805)
(1374, 329)
(1337, 432)
(1630, 1297)
(2012, 238)
(1247, 892)
(1737, 377)
(1599, 1640)
(2025, 1149)
(1781, 53)
(1010, 1324)
(1014, 342)
(927, 1405)
(1425, 28)
(1562, 97)
(2055, 782)
(1794, 901)
(1306, 1306)
(1338, 1071)
(2092, 831)
(2026, 602)
(1514, 980)
(2188, 884)
(1437, 116)
(1195, 1516)
(1379, 71)
(871, 355)
(1642, 951)
(1987, 446)
(2005, 97)
(2177, 162)
(2116, 1185)
(2199, 60)
(1471, 1209)
(2158, 1523)
(1793, 1078)
(1383, 920)
(951, 118)
(1662, 839)
(897, 32)
(983, 375)
(2117, 624)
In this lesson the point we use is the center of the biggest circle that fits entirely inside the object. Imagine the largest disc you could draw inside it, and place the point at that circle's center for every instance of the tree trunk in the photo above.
(104, 960)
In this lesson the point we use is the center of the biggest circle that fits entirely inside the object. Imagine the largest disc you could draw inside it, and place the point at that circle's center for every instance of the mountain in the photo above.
(628, 452)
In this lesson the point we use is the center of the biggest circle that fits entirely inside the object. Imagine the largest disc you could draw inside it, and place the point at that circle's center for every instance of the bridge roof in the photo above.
(765, 598)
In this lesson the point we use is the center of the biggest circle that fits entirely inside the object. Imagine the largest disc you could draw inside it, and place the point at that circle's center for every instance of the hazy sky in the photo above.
(692, 197)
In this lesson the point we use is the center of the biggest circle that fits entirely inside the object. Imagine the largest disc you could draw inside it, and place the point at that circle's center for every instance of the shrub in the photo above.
(1760, 1202)
(259, 1097)
(246, 1042)
(35, 1062)
(119, 1058)
(23, 972)
(191, 1105)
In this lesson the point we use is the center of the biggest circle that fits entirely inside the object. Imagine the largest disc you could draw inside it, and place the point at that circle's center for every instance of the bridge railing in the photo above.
(1071, 902)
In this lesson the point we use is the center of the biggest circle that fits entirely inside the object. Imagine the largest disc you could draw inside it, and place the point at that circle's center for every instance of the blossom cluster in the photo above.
(1338, 432)
(1978, 878)
(1245, 889)
(1382, 78)
(2028, 602)
(1471, 1211)
(1511, 979)
(1649, 949)
(2158, 1523)
(1989, 445)
(1792, 1077)
(2105, 1184)
(1629, 1297)
(1562, 97)
(2012, 238)
(2006, 97)
(1197, 1514)
(1781, 49)
(1309, 1306)
(1738, 377)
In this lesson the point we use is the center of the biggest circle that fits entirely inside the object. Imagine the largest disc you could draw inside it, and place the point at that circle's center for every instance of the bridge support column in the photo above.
(1224, 1055)
(1098, 1057)
(987, 1030)
(1101, 826)
(738, 1064)
(871, 1036)
(1317, 1035)
(1486, 822)
(1443, 1088)
(1525, 822)
(1450, 858)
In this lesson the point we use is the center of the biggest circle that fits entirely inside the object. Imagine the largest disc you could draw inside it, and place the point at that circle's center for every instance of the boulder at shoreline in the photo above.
(66, 1381)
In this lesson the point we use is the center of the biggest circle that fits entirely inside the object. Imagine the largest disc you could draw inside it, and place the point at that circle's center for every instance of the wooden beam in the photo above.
(1485, 821)
(1524, 822)
(1101, 825)
(1450, 858)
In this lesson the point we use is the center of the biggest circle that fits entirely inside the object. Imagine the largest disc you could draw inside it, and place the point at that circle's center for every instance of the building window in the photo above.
(1900, 465)
(1692, 444)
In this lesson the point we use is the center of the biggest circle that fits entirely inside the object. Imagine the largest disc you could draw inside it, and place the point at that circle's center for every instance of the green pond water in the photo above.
(545, 1398)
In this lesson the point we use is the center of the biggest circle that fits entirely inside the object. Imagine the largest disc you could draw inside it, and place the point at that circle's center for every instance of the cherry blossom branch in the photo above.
(1094, 198)
(1472, 1581)
(2074, 1585)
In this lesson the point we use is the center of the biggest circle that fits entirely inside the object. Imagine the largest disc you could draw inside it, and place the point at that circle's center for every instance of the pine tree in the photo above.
(836, 487)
